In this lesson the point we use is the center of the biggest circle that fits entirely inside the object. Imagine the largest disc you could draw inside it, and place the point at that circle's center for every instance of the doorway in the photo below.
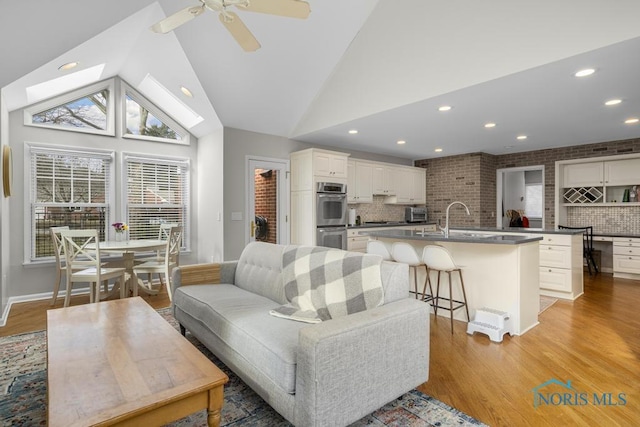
(268, 204)
(520, 189)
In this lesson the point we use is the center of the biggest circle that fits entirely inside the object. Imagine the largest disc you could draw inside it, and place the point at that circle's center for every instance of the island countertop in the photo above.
(457, 235)
(519, 230)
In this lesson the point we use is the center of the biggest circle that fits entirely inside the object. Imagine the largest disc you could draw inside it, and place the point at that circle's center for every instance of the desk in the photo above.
(128, 248)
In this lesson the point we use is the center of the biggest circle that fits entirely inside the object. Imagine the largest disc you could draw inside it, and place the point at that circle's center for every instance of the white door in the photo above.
(267, 216)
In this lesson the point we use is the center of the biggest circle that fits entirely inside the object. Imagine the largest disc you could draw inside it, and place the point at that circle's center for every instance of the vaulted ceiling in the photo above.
(382, 67)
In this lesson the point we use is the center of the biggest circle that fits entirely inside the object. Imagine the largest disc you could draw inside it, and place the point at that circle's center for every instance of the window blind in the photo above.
(157, 193)
(67, 187)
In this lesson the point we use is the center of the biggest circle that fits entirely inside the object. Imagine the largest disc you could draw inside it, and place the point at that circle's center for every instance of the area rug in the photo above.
(546, 302)
(23, 394)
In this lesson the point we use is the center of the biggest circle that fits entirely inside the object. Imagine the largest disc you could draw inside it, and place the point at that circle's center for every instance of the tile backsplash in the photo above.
(606, 219)
(378, 210)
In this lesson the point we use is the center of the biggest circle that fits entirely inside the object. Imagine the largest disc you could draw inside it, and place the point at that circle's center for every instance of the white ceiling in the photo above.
(379, 66)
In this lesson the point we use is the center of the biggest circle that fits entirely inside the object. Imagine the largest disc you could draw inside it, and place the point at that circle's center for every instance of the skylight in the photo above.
(64, 84)
(160, 95)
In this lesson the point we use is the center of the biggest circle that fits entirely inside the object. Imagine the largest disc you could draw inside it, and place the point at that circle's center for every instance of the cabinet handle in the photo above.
(549, 270)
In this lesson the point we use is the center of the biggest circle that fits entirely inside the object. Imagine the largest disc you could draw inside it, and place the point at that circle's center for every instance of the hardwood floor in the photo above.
(32, 316)
(594, 342)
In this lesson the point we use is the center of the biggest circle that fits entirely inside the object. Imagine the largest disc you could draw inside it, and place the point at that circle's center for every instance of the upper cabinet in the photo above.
(359, 181)
(583, 174)
(411, 186)
(609, 181)
(384, 179)
(330, 164)
(312, 165)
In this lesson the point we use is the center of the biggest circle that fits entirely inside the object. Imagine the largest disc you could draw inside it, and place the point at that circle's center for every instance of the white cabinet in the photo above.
(411, 186)
(626, 257)
(583, 174)
(622, 172)
(303, 225)
(384, 179)
(330, 164)
(356, 242)
(359, 182)
(308, 167)
(561, 271)
(596, 182)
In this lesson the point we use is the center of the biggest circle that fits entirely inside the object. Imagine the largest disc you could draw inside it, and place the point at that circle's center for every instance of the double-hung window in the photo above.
(67, 188)
(157, 191)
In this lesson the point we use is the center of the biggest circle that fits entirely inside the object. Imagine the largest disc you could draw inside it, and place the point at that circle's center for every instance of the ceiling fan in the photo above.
(233, 23)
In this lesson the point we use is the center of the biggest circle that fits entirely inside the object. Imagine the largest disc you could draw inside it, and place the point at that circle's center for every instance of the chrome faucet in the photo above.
(446, 225)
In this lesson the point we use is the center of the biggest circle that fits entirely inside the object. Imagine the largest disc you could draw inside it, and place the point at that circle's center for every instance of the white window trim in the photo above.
(149, 158)
(71, 96)
(153, 109)
(27, 184)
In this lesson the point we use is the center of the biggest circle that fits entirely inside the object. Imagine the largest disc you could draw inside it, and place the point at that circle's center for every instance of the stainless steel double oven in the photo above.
(331, 215)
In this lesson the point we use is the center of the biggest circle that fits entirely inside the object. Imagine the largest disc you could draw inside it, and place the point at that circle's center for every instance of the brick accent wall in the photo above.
(471, 178)
(266, 197)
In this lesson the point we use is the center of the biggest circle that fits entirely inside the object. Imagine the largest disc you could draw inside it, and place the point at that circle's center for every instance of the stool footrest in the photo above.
(494, 323)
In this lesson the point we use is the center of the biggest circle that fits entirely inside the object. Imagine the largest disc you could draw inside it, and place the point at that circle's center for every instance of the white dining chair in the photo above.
(61, 263)
(163, 266)
(83, 264)
(163, 234)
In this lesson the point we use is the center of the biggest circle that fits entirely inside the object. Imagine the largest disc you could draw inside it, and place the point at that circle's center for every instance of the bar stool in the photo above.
(439, 259)
(379, 248)
(405, 253)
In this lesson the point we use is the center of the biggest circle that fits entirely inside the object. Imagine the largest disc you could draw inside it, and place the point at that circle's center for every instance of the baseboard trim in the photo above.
(35, 297)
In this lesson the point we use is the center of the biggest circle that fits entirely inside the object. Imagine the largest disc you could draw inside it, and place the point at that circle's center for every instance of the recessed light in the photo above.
(521, 137)
(68, 66)
(632, 121)
(438, 150)
(444, 108)
(353, 131)
(186, 91)
(613, 102)
(585, 72)
(401, 142)
(508, 147)
(490, 125)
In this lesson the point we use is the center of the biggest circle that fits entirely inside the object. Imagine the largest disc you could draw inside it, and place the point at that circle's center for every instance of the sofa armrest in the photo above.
(203, 274)
(350, 366)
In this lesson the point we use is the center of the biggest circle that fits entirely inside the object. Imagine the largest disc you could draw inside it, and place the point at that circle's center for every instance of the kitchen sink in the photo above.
(466, 234)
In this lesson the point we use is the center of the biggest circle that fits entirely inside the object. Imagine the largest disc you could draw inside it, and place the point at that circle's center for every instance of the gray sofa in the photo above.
(326, 374)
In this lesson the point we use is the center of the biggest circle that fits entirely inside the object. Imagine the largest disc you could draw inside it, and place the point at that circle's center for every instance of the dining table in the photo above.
(128, 249)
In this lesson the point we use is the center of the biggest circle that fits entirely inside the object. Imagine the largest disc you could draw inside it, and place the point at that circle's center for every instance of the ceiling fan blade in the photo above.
(289, 8)
(174, 21)
(239, 31)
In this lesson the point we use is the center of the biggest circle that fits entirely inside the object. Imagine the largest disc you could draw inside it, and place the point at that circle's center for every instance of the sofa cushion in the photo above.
(241, 320)
(259, 270)
(323, 283)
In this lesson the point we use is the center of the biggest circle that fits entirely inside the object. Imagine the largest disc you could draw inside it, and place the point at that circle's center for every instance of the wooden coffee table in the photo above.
(120, 363)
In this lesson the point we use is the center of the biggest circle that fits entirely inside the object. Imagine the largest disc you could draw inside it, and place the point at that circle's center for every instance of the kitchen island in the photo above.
(501, 272)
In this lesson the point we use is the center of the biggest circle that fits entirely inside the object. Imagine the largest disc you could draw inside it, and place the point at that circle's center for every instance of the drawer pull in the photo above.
(549, 270)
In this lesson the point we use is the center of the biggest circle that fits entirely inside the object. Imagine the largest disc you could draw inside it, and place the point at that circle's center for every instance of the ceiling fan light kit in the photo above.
(231, 21)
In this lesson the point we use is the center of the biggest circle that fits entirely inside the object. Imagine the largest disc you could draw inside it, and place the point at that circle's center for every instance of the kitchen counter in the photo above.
(520, 230)
(501, 272)
(376, 224)
(457, 235)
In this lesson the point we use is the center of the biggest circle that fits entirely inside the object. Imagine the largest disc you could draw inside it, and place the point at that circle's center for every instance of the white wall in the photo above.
(210, 198)
(240, 143)
(4, 211)
(33, 279)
